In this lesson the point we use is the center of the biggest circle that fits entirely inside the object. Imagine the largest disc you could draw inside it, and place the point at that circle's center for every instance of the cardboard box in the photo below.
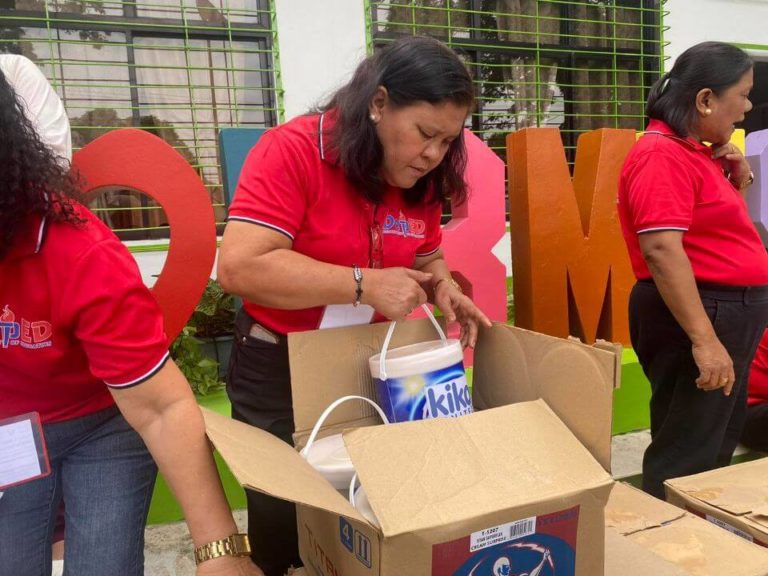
(646, 536)
(510, 483)
(735, 498)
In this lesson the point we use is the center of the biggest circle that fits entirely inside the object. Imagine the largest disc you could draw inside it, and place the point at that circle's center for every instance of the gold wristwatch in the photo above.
(234, 545)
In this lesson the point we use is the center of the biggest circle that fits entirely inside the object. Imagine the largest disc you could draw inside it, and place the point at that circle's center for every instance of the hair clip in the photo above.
(665, 84)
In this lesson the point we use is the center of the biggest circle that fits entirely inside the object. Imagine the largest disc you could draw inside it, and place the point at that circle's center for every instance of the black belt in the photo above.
(727, 292)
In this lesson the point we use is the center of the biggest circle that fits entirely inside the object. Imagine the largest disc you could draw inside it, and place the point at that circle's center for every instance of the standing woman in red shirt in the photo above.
(336, 221)
(83, 352)
(755, 433)
(700, 304)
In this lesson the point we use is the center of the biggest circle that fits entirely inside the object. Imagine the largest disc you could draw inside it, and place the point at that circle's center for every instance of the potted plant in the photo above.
(203, 348)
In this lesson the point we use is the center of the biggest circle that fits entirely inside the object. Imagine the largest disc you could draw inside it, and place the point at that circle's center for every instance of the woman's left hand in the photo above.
(737, 166)
(458, 307)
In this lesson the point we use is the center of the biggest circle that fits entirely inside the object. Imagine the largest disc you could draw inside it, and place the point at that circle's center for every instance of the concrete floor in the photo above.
(168, 547)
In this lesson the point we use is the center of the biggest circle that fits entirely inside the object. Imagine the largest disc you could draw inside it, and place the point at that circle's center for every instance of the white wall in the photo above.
(694, 21)
(321, 42)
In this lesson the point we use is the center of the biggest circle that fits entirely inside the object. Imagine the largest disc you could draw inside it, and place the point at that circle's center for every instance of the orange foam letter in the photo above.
(571, 270)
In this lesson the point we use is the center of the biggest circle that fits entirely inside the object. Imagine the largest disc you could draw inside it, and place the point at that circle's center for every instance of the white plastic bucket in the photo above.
(359, 500)
(328, 455)
(420, 381)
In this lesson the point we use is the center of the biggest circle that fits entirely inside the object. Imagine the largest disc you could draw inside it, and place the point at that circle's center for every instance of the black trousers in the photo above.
(693, 430)
(755, 433)
(259, 388)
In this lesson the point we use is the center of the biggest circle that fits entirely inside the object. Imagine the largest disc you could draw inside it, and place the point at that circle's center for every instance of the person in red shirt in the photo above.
(83, 352)
(755, 433)
(700, 303)
(336, 221)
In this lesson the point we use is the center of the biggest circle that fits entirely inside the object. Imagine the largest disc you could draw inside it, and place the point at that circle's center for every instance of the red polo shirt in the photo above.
(291, 183)
(672, 183)
(75, 319)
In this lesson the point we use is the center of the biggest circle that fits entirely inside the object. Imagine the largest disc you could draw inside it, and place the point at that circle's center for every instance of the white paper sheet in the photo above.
(339, 315)
(19, 460)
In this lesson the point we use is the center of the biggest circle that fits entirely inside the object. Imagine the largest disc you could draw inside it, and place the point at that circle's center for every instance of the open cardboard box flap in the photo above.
(420, 475)
(739, 490)
(576, 380)
(264, 463)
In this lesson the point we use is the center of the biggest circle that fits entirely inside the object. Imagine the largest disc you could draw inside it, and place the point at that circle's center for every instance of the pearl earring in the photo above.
(708, 111)
(374, 118)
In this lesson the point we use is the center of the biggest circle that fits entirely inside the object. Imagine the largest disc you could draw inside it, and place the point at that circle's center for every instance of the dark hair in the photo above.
(713, 65)
(31, 179)
(413, 69)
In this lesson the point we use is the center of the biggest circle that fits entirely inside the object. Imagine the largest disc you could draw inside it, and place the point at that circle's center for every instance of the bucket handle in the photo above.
(385, 347)
(327, 412)
(352, 484)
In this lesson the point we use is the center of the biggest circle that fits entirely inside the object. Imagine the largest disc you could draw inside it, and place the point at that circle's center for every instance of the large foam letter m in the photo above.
(571, 270)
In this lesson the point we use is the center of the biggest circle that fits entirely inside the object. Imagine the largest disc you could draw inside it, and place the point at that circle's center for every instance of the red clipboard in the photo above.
(38, 438)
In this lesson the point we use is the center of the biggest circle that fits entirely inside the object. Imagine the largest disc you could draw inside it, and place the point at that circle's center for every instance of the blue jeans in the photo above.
(101, 468)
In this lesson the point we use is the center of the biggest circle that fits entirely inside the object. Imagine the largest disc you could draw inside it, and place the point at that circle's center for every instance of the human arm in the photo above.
(163, 411)
(671, 270)
(455, 305)
(258, 264)
(737, 167)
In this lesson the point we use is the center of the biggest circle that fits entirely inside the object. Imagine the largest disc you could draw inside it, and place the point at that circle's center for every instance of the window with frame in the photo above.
(576, 65)
(180, 69)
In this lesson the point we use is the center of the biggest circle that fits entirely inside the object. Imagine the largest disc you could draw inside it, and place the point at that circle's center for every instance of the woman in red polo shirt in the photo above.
(336, 221)
(700, 303)
(84, 359)
(755, 433)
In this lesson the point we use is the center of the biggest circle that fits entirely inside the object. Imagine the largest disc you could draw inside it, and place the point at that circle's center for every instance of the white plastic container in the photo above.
(359, 500)
(423, 380)
(328, 455)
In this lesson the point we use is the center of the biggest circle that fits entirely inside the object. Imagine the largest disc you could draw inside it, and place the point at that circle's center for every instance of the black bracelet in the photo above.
(358, 276)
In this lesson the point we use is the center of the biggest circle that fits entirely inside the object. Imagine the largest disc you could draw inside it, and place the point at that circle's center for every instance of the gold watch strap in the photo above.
(234, 545)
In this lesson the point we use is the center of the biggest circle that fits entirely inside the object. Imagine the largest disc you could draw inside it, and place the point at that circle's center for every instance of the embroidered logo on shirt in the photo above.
(402, 226)
(25, 333)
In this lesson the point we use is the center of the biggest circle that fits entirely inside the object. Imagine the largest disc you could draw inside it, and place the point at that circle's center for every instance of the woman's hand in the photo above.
(228, 566)
(737, 166)
(456, 306)
(715, 366)
(394, 292)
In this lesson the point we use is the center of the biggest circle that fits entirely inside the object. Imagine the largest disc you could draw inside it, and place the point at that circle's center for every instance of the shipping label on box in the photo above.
(542, 545)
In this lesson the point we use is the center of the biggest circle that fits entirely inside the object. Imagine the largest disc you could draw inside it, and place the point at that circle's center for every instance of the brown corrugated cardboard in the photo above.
(735, 498)
(576, 380)
(623, 557)
(447, 492)
(688, 543)
(435, 486)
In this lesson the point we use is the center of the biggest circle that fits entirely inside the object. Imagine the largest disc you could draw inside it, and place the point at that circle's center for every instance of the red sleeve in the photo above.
(661, 195)
(433, 233)
(271, 191)
(115, 316)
